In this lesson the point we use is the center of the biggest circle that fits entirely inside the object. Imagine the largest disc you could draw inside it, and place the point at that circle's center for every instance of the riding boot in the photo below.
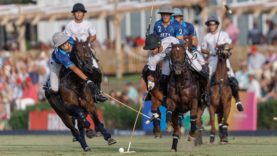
(163, 83)
(205, 71)
(97, 94)
(207, 94)
(235, 92)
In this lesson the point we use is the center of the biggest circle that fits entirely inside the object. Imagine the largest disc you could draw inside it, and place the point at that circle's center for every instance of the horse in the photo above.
(221, 95)
(75, 98)
(183, 95)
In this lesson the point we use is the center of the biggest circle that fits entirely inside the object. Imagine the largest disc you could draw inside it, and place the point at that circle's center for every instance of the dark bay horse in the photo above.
(221, 95)
(75, 98)
(184, 94)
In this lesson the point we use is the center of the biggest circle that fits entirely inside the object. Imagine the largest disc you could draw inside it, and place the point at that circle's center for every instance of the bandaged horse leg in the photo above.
(234, 86)
(100, 126)
(177, 131)
(156, 118)
(170, 109)
(67, 120)
(80, 114)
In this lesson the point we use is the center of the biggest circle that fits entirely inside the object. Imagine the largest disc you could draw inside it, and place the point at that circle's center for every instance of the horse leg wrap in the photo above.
(220, 128)
(212, 137)
(99, 126)
(83, 143)
(168, 116)
(175, 142)
(180, 120)
(225, 129)
(193, 123)
(82, 117)
(103, 131)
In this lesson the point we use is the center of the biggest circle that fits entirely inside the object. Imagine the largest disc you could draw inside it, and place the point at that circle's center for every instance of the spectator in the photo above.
(254, 86)
(232, 30)
(132, 92)
(30, 95)
(242, 77)
(255, 61)
(272, 95)
(255, 35)
(272, 31)
(3, 113)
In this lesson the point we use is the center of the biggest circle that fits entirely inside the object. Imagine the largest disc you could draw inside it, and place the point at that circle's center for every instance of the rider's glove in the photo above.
(150, 85)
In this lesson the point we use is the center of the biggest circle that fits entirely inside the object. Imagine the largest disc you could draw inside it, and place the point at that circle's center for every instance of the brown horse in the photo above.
(221, 95)
(184, 94)
(156, 96)
(75, 98)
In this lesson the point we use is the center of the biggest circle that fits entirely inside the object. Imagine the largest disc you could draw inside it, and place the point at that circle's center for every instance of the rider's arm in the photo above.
(194, 40)
(193, 35)
(64, 59)
(78, 72)
(204, 46)
(92, 33)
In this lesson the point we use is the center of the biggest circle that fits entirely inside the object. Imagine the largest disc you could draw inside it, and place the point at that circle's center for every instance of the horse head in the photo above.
(223, 51)
(84, 55)
(178, 57)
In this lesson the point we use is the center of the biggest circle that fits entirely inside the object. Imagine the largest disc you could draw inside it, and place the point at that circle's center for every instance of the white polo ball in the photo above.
(121, 150)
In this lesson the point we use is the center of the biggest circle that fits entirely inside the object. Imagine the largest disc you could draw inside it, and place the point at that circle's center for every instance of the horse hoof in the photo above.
(212, 141)
(90, 133)
(111, 141)
(74, 139)
(173, 150)
(158, 136)
(191, 138)
(240, 107)
(169, 128)
(86, 149)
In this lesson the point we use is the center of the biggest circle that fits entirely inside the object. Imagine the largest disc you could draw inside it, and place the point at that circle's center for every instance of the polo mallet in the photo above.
(229, 11)
(150, 20)
(125, 105)
(121, 150)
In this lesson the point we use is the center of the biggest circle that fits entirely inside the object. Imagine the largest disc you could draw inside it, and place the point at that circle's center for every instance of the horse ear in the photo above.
(88, 39)
(77, 40)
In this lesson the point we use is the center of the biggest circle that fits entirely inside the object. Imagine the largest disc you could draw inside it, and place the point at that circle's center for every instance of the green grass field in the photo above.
(56, 145)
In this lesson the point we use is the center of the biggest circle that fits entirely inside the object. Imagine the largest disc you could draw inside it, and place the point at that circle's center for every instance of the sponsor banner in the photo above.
(238, 121)
(49, 120)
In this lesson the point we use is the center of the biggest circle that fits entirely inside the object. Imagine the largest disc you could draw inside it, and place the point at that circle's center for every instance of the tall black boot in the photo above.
(97, 94)
(235, 92)
(205, 71)
(164, 84)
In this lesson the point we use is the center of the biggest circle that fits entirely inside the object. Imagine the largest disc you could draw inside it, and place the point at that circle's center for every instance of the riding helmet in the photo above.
(59, 38)
(177, 12)
(165, 9)
(212, 19)
(152, 41)
(78, 7)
